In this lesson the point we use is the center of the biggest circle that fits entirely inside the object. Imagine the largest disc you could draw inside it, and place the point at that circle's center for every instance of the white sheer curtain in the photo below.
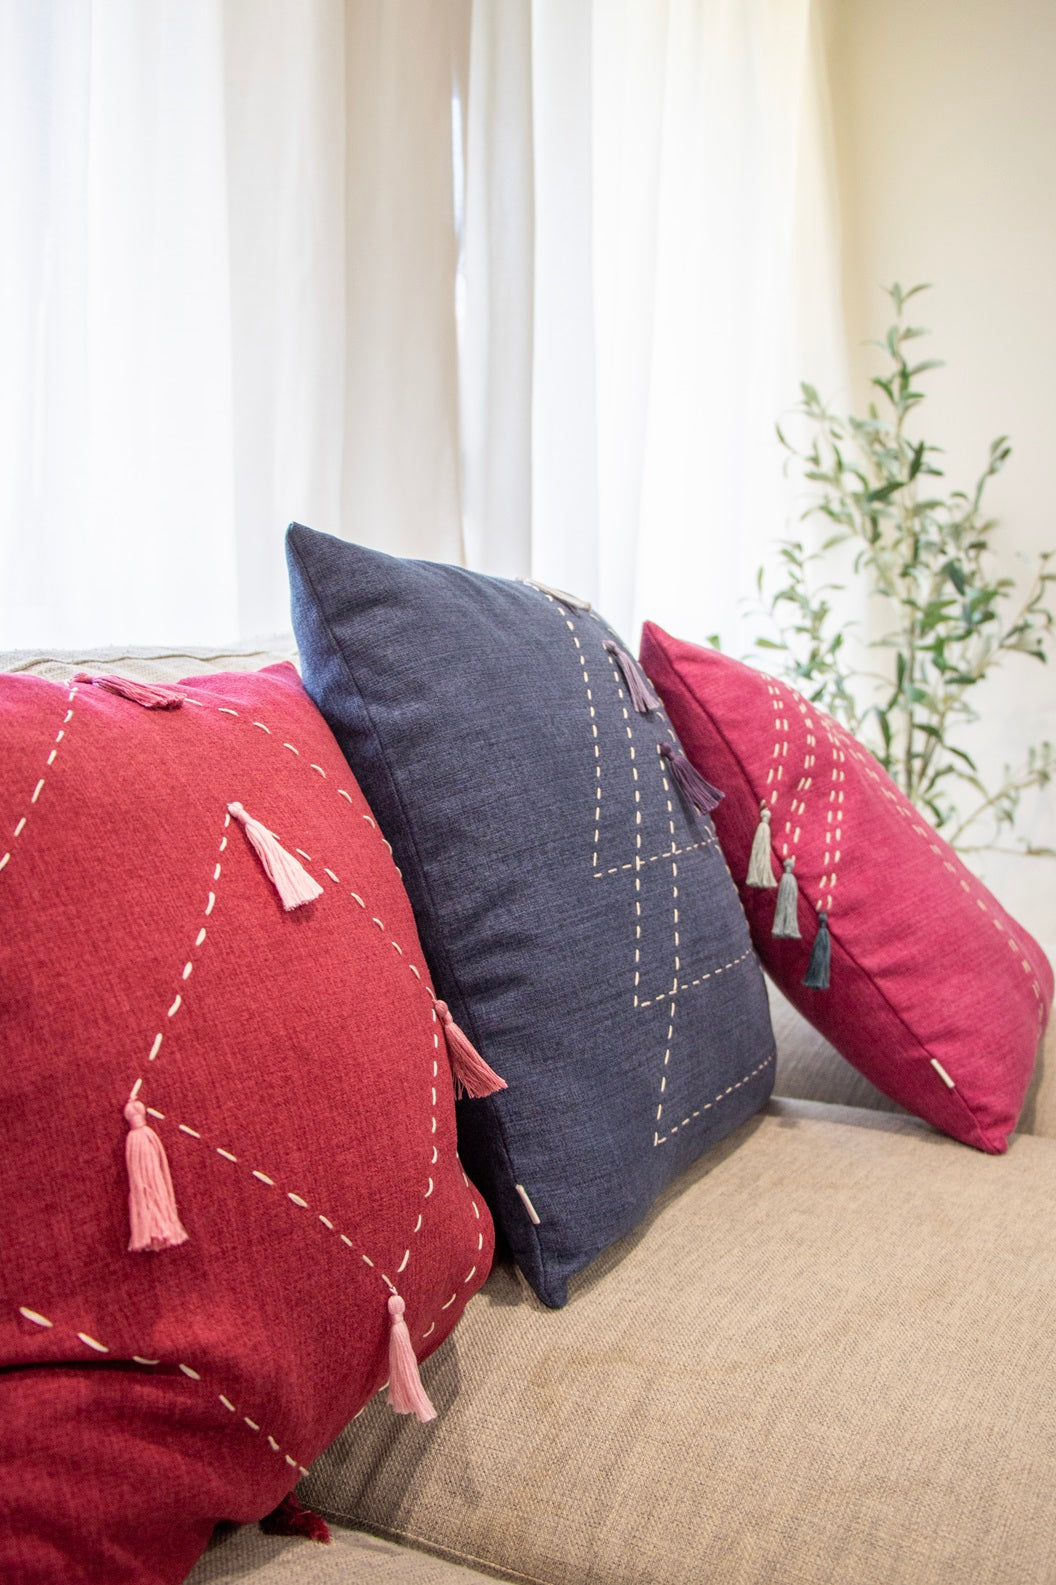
(226, 300)
(683, 277)
(236, 233)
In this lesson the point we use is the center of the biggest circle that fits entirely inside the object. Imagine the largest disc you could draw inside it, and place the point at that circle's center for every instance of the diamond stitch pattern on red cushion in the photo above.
(294, 1068)
(935, 993)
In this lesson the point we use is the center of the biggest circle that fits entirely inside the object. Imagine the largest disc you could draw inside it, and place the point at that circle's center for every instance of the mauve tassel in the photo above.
(151, 695)
(152, 1210)
(701, 794)
(817, 975)
(289, 1518)
(289, 877)
(470, 1072)
(406, 1393)
(642, 696)
(760, 865)
(786, 914)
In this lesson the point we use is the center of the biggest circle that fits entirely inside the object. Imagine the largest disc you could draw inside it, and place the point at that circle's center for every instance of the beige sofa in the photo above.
(827, 1356)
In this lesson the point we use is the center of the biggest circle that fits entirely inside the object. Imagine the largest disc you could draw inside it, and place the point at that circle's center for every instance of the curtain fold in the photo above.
(682, 265)
(401, 486)
(524, 284)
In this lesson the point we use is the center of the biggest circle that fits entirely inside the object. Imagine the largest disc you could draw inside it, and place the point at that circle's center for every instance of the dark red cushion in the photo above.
(935, 993)
(294, 1068)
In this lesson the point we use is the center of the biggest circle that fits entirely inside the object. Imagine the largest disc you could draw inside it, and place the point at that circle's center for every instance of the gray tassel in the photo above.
(817, 975)
(760, 865)
(786, 914)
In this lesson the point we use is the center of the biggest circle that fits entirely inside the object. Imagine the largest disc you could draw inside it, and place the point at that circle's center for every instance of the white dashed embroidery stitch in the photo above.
(187, 1370)
(23, 820)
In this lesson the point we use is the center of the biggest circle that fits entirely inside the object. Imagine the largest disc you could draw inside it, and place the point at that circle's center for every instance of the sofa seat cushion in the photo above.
(248, 1557)
(829, 1356)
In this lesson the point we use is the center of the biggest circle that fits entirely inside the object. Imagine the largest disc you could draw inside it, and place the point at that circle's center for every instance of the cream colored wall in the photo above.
(944, 115)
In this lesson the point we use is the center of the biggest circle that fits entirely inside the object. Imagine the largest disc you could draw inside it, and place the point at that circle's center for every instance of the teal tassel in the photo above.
(786, 914)
(760, 865)
(817, 975)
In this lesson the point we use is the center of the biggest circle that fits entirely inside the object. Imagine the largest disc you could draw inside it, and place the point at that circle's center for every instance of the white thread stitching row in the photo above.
(659, 1139)
(20, 824)
(342, 792)
(834, 814)
(298, 1200)
(638, 863)
(669, 1037)
(776, 771)
(687, 985)
(97, 1347)
(654, 858)
(834, 818)
(594, 736)
(188, 967)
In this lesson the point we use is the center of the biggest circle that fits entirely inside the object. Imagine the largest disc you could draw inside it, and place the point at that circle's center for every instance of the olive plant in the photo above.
(947, 617)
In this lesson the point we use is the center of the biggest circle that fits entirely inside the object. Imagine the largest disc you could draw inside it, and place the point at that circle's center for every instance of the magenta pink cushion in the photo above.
(935, 993)
(294, 1069)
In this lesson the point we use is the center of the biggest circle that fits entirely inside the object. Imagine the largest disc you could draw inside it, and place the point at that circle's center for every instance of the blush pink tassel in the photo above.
(289, 877)
(470, 1072)
(151, 695)
(406, 1393)
(152, 1212)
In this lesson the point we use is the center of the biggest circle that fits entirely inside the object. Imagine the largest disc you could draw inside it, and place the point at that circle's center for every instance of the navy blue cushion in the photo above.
(576, 913)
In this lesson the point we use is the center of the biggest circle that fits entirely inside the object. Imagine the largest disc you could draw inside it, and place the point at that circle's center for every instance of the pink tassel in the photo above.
(151, 1202)
(641, 694)
(290, 1518)
(406, 1393)
(470, 1072)
(700, 793)
(151, 695)
(289, 877)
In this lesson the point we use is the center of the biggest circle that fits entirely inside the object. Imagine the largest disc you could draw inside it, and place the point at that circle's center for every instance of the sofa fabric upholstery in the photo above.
(828, 1356)
(248, 1557)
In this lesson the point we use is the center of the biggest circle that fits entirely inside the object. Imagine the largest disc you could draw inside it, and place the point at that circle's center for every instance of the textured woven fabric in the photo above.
(149, 663)
(935, 993)
(828, 1358)
(293, 1067)
(249, 1558)
(577, 915)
